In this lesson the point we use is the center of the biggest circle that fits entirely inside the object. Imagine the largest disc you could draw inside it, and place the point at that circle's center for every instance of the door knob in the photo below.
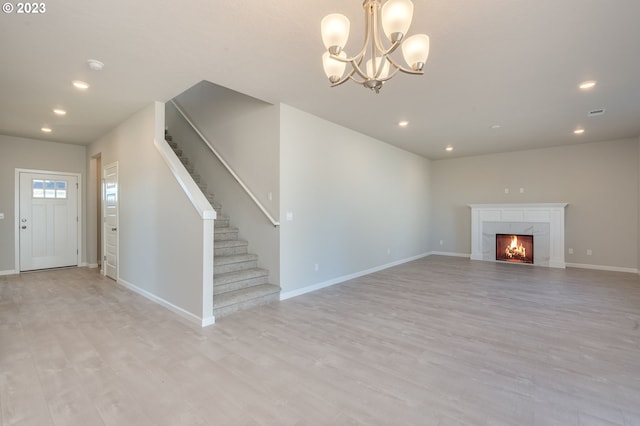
(24, 227)
(114, 229)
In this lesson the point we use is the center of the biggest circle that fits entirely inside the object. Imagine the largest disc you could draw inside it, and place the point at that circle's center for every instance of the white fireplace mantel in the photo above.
(549, 213)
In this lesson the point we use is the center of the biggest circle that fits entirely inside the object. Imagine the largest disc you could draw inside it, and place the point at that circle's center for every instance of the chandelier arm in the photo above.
(391, 49)
(373, 15)
(408, 71)
(357, 58)
(403, 69)
(357, 81)
(343, 79)
(357, 69)
(376, 36)
(394, 72)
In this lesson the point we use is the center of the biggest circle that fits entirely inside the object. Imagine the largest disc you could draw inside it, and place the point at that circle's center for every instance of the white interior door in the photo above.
(110, 230)
(48, 223)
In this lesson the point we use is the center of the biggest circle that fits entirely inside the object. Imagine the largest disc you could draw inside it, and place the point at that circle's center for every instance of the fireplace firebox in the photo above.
(514, 248)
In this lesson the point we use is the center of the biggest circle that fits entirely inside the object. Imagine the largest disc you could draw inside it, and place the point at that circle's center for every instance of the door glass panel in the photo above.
(61, 189)
(49, 189)
(37, 188)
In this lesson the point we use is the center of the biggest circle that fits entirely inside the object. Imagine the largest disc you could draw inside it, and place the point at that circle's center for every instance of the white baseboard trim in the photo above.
(338, 280)
(603, 268)
(88, 265)
(203, 322)
(206, 322)
(561, 266)
(9, 272)
(448, 253)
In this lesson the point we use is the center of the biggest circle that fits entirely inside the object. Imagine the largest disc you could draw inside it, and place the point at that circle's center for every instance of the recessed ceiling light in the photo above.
(578, 131)
(80, 85)
(496, 126)
(46, 129)
(59, 111)
(95, 64)
(403, 123)
(586, 85)
(449, 148)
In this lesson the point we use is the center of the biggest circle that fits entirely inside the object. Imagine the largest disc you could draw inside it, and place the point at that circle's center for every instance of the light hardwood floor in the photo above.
(439, 341)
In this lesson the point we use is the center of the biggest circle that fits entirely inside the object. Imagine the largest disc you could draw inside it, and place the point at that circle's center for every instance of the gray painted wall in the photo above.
(160, 231)
(352, 197)
(598, 180)
(31, 154)
(244, 131)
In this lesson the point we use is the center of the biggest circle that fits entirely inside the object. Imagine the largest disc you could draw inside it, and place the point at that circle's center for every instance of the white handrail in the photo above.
(224, 163)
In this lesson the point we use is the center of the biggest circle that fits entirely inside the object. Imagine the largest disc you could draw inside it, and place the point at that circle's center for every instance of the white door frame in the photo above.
(17, 211)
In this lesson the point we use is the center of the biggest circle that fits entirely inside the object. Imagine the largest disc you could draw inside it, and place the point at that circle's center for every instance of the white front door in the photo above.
(48, 220)
(110, 203)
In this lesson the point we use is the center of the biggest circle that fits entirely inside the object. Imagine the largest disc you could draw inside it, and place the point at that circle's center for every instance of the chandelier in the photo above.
(395, 17)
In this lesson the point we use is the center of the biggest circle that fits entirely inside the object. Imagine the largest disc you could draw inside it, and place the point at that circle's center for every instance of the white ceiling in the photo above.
(516, 63)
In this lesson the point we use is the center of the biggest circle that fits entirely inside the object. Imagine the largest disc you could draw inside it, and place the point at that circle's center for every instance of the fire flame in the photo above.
(514, 249)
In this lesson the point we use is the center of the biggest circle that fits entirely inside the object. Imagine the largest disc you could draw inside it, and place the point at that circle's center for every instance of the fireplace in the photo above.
(514, 248)
(545, 221)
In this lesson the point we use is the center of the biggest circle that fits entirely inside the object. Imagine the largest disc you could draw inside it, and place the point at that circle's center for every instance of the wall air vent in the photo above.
(596, 112)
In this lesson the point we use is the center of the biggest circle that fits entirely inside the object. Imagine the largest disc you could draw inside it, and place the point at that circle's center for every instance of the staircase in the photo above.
(238, 282)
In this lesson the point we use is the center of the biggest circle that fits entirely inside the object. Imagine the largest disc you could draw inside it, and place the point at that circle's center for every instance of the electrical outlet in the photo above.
(522, 190)
(570, 250)
(1, 216)
(270, 196)
(316, 267)
(289, 216)
(441, 242)
(506, 190)
(388, 251)
(589, 252)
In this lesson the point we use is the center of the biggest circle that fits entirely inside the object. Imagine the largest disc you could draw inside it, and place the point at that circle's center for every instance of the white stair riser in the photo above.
(225, 236)
(221, 223)
(251, 303)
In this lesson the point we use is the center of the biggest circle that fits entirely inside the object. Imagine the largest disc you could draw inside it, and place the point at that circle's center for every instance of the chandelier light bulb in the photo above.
(335, 32)
(378, 75)
(333, 68)
(415, 50)
(396, 18)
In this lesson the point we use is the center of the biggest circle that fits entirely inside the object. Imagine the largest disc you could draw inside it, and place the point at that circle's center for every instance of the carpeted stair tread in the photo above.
(247, 274)
(236, 258)
(231, 243)
(225, 230)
